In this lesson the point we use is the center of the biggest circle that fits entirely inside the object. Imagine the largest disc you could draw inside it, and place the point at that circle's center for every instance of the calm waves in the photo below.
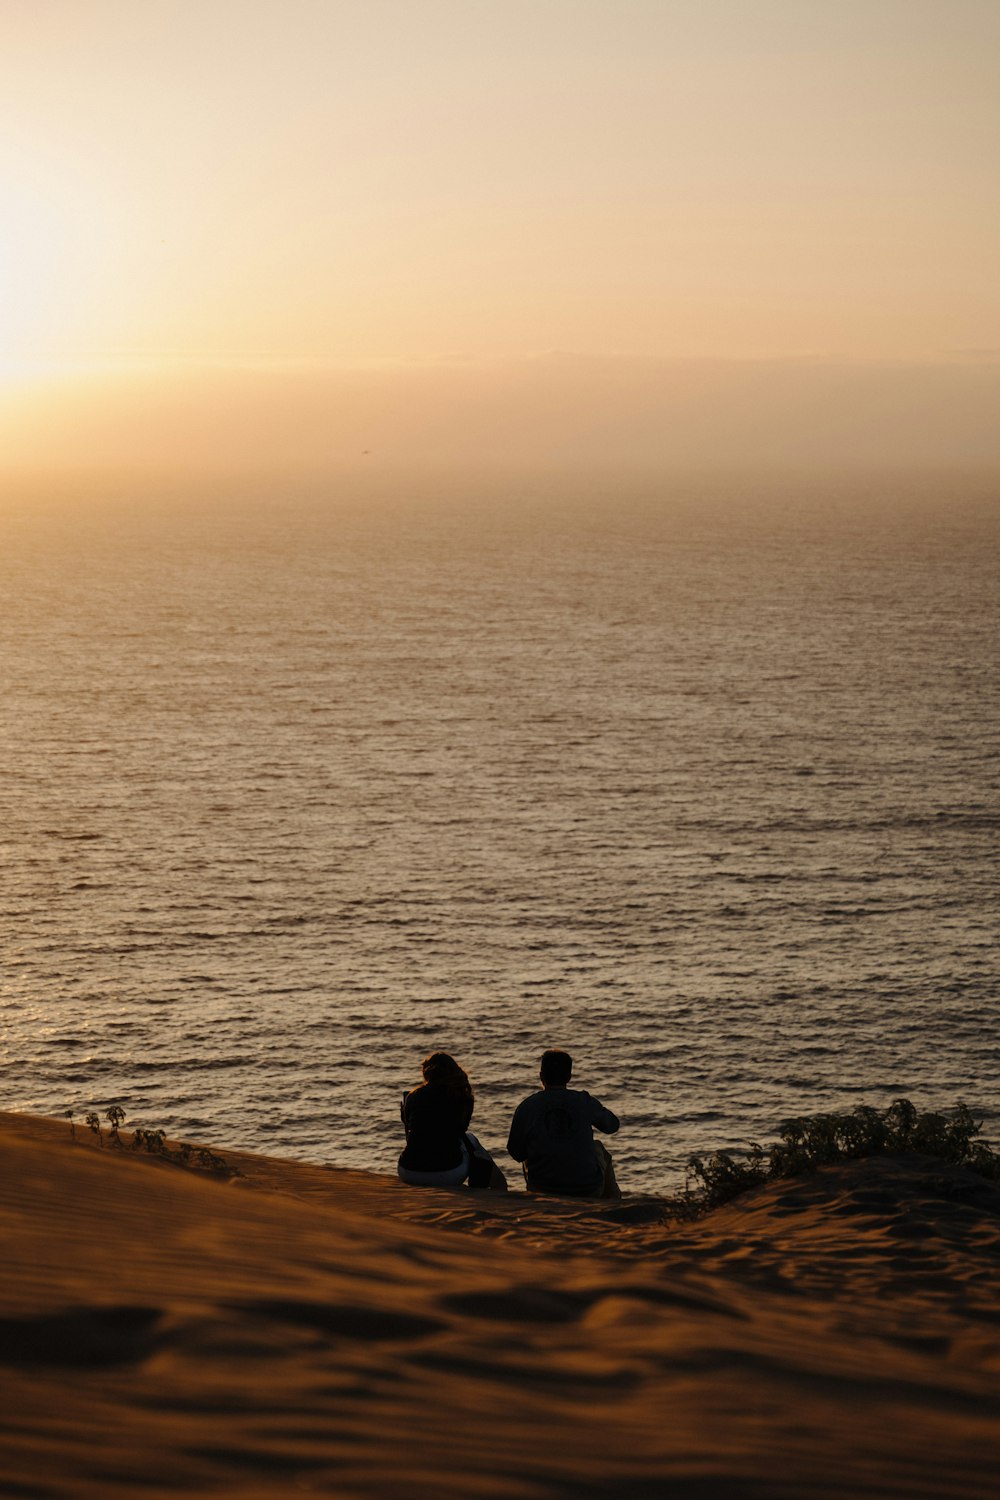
(295, 791)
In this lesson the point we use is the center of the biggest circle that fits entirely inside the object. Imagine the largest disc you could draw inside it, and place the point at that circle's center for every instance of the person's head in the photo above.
(442, 1068)
(556, 1069)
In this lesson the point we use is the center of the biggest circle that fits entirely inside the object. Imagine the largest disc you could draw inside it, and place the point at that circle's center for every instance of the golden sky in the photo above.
(351, 180)
(294, 188)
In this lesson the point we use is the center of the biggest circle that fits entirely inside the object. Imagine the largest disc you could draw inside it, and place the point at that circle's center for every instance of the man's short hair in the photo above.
(556, 1067)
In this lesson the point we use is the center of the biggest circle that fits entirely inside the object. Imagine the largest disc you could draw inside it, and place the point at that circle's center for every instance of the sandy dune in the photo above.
(300, 1329)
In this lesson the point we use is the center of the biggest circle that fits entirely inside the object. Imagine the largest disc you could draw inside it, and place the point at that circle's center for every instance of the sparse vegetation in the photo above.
(812, 1141)
(154, 1142)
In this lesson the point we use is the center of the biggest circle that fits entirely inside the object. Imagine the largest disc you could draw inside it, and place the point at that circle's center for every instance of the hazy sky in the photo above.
(349, 181)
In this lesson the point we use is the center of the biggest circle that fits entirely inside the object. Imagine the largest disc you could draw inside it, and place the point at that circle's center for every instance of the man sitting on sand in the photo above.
(552, 1135)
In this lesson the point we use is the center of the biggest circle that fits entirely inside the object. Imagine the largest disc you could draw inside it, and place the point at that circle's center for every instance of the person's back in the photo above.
(552, 1134)
(435, 1117)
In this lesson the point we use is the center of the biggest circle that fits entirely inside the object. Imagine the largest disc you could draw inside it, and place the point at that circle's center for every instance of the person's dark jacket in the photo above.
(435, 1119)
(552, 1133)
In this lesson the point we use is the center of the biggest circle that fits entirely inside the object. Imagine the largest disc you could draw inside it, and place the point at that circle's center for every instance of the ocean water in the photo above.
(297, 787)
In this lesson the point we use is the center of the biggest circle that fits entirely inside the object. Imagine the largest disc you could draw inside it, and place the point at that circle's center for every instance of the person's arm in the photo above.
(516, 1144)
(407, 1108)
(601, 1118)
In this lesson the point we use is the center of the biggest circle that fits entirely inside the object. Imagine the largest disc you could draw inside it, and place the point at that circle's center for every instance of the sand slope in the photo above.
(301, 1329)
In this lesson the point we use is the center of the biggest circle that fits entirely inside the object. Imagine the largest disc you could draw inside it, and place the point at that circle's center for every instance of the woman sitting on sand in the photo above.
(436, 1117)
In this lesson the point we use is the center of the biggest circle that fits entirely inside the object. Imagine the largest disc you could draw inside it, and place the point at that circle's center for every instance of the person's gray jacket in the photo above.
(552, 1133)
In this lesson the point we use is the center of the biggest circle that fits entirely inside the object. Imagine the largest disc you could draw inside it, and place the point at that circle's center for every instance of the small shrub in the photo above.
(211, 1162)
(116, 1116)
(184, 1154)
(154, 1142)
(812, 1141)
(719, 1178)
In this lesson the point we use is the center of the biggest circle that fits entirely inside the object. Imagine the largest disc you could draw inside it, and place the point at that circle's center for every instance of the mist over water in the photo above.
(298, 787)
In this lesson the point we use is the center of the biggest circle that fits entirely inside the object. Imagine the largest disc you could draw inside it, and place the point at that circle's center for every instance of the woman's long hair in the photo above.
(441, 1068)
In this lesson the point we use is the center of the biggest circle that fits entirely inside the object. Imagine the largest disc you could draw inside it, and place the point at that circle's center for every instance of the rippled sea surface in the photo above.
(703, 787)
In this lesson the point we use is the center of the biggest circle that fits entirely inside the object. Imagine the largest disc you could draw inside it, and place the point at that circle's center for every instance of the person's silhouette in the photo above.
(440, 1149)
(552, 1135)
(436, 1117)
